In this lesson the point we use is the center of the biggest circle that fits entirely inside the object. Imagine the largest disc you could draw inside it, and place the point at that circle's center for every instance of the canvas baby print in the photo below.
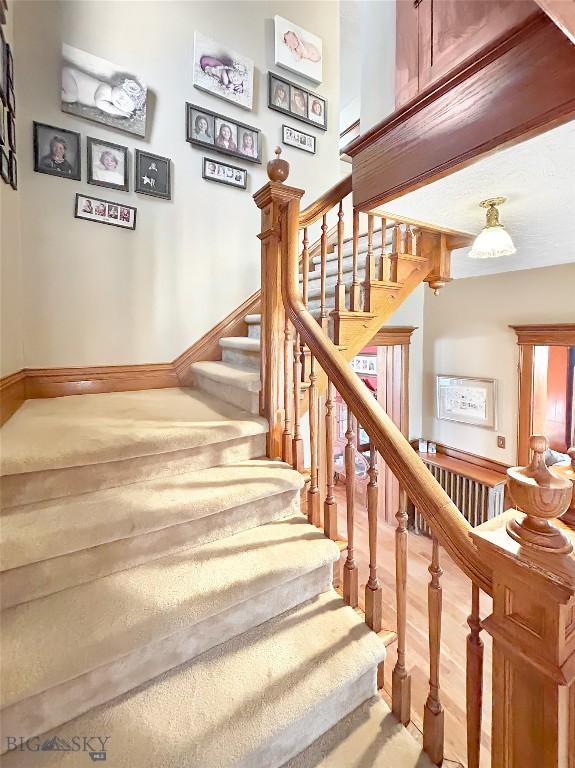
(223, 72)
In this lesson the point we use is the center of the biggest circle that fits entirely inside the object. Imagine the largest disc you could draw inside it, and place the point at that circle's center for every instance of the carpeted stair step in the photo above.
(254, 325)
(362, 246)
(252, 702)
(241, 351)
(231, 383)
(68, 445)
(314, 285)
(70, 651)
(57, 544)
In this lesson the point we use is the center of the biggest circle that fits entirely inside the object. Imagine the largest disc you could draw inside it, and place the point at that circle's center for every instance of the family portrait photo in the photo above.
(107, 164)
(223, 134)
(98, 90)
(298, 139)
(292, 99)
(105, 212)
(152, 175)
(223, 72)
(57, 151)
(224, 173)
(298, 50)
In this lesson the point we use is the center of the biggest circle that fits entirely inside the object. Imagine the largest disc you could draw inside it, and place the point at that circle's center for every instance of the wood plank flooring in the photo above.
(456, 589)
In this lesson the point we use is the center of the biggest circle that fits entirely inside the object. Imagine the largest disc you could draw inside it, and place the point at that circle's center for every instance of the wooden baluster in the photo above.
(355, 292)
(370, 273)
(350, 574)
(395, 250)
(287, 437)
(384, 268)
(373, 590)
(305, 290)
(408, 246)
(340, 286)
(297, 443)
(323, 315)
(474, 681)
(330, 504)
(401, 681)
(433, 714)
(313, 491)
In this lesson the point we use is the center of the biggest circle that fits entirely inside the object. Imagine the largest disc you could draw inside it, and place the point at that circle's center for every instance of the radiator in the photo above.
(476, 502)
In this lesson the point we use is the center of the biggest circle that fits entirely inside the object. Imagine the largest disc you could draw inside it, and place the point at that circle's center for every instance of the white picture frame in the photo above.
(298, 50)
(223, 72)
(467, 400)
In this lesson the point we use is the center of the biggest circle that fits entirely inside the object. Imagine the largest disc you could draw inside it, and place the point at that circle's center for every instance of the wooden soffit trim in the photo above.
(554, 335)
(562, 12)
(391, 336)
(522, 86)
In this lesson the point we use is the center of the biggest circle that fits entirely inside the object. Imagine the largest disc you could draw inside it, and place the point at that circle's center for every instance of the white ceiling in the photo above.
(538, 179)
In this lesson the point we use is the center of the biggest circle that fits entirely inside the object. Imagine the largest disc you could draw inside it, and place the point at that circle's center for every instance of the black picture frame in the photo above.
(4, 166)
(11, 100)
(297, 145)
(92, 142)
(10, 130)
(213, 118)
(207, 160)
(67, 135)
(9, 64)
(3, 70)
(105, 219)
(13, 170)
(3, 125)
(290, 88)
(150, 189)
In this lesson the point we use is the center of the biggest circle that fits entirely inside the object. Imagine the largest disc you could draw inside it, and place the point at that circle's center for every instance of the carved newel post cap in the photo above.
(278, 169)
(540, 495)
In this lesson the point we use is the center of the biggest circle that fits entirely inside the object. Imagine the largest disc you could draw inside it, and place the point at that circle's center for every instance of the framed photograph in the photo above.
(223, 72)
(3, 69)
(467, 400)
(9, 64)
(3, 125)
(298, 50)
(13, 170)
(229, 137)
(11, 97)
(105, 212)
(98, 90)
(152, 175)
(57, 151)
(10, 130)
(4, 166)
(223, 173)
(293, 100)
(107, 164)
(298, 139)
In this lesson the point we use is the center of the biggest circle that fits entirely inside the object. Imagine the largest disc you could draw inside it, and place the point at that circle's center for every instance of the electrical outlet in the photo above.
(500, 441)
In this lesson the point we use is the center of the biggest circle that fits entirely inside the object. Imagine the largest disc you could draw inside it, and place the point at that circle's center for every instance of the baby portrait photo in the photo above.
(225, 135)
(107, 164)
(223, 72)
(152, 176)
(56, 151)
(224, 173)
(298, 50)
(98, 90)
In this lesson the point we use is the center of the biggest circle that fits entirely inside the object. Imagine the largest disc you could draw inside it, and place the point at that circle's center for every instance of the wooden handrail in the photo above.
(325, 203)
(442, 516)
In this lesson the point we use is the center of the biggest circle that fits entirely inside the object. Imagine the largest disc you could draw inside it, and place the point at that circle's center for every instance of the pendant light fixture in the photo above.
(493, 240)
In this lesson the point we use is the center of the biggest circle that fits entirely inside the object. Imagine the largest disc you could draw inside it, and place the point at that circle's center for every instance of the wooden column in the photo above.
(474, 682)
(272, 200)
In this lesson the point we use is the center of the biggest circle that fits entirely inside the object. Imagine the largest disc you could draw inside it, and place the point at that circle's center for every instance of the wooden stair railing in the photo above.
(500, 557)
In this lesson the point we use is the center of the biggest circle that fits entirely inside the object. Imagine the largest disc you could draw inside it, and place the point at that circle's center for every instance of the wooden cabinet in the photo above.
(435, 36)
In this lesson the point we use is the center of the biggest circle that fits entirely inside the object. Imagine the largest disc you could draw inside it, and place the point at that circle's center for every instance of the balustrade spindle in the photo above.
(323, 311)
(297, 443)
(330, 504)
(313, 491)
(287, 437)
(474, 681)
(370, 273)
(340, 286)
(408, 243)
(355, 292)
(350, 572)
(373, 590)
(401, 681)
(395, 251)
(305, 266)
(433, 714)
(384, 267)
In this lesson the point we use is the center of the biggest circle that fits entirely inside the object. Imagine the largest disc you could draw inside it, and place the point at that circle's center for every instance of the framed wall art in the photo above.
(152, 175)
(223, 173)
(297, 49)
(105, 212)
(209, 129)
(107, 164)
(467, 400)
(56, 151)
(223, 72)
(293, 100)
(13, 170)
(291, 137)
(4, 166)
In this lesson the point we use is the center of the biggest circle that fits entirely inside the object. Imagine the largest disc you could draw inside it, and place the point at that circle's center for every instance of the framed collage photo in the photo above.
(220, 133)
(152, 175)
(291, 137)
(107, 164)
(56, 151)
(105, 212)
(291, 99)
(223, 173)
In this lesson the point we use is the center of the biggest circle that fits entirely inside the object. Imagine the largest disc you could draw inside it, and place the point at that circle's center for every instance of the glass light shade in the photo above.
(491, 243)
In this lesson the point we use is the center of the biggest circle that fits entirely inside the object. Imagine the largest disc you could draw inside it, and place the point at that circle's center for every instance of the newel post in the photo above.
(533, 620)
(272, 199)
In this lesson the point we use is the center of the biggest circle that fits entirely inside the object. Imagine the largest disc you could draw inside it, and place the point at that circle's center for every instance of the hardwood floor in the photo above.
(456, 590)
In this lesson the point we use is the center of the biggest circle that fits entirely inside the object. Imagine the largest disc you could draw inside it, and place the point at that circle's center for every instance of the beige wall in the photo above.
(466, 333)
(98, 295)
